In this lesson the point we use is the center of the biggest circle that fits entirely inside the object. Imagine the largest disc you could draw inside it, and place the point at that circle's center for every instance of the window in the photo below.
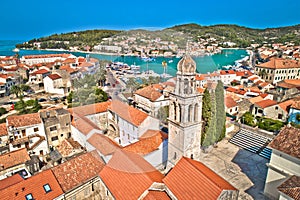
(24, 133)
(47, 188)
(53, 128)
(36, 129)
(29, 197)
(54, 138)
(61, 135)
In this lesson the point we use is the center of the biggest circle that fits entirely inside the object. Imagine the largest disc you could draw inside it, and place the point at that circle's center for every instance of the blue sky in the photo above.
(32, 19)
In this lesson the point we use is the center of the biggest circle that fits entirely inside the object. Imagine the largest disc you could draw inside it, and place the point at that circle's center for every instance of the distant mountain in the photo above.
(179, 34)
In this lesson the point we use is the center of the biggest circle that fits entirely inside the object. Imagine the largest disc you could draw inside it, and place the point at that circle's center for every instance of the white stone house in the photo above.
(27, 131)
(53, 84)
(151, 99)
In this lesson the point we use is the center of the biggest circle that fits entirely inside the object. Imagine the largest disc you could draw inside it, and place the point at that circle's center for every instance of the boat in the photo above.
(135, 67)
(170, 61)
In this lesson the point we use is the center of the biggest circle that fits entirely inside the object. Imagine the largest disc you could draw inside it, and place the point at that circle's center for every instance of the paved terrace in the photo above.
(244, 170)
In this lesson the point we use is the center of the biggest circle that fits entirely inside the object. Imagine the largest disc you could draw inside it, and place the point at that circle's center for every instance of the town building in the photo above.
(27, 131)
(285, 160)
(278, 69)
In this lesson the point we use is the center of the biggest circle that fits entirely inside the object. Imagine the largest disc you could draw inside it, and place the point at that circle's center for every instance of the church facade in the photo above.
(185, 114)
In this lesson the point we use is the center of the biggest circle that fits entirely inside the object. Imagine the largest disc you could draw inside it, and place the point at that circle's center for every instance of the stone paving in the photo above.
(246, 171)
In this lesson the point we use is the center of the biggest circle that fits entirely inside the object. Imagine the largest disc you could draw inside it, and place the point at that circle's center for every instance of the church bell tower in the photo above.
(185, 113)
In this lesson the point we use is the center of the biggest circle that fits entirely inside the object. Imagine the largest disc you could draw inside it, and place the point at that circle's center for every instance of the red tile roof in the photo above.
(287, 141)
(291, 187)
(148, 142)
(155, 195)
(128, 113)
(190, 179)
(54, 76)
(91, 109)
(150, 92)
(3, 129)
(13, 158)
(103, 144)
(127, 175)
(266, 103)
(4, 183)
(280, 63)
(23, 120)
(78, 170)
(296, 105)
(41, 71)
(34, 185)
(227, 72)
(286, 105)
(200, 77)
(230, 102)
(84, 125)
(47, 56)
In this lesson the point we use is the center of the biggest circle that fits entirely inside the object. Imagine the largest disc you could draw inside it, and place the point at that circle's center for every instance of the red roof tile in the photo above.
(91, 109)
(149, 92)
(227, 72)
(78, 170)
(23, 120)
(148, 142)
(266, 103)
(200, 77)
(287, 141)
(155, 195)
(291, 187)
(103, 144)
(83, 124)
(4, 183)
(13, 158)
(286, 105)
(230, 102)
(280, 63)
(190, 179)
(128, 113)
(41, 71)
(3, 129)
(54, 76)
(296, 105)
(34, 185)
(128, 175)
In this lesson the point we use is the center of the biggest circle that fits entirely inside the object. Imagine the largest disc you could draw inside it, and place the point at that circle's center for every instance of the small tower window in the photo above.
(175, 155)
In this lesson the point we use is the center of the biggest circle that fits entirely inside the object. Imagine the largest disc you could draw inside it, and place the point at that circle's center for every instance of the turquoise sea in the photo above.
(204, 63)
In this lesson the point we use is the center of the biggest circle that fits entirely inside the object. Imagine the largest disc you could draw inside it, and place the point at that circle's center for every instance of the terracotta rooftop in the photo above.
(78, 170)
(23, 120)
(287, 141)
(13, 158)
(265, 103)
(230, 102)
(150, 92)
(200, 77)
(67, 146)
(127, 175)
(201, 90)
(103, 144)
(280, 63)
(46, 56)
(86, 64)
(296, 105)
(286, 105)
(83, 124)
(34, 185)
(128, 113)
(190, 179)
(155, 195)
(54, 76)
(227, 72)
(3, 129)
(148, 142)
(90, 109)
(9, 181)
(41, 71)
(291, 187)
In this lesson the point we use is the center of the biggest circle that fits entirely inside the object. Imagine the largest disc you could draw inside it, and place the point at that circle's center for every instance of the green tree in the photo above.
(3, 111)
(248, 119)
(220, 112)
(16, 90)
(206, 115)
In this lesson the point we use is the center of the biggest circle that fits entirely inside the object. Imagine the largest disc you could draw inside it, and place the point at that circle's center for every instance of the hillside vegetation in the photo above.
(241, 36)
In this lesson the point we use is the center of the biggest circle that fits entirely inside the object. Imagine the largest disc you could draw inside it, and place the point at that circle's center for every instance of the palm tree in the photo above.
(15, 89)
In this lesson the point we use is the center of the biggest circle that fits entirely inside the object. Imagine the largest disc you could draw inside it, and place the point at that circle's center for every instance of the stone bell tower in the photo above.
(185, 114)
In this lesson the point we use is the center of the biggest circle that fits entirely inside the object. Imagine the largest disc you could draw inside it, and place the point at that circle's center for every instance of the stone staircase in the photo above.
(252, 142)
